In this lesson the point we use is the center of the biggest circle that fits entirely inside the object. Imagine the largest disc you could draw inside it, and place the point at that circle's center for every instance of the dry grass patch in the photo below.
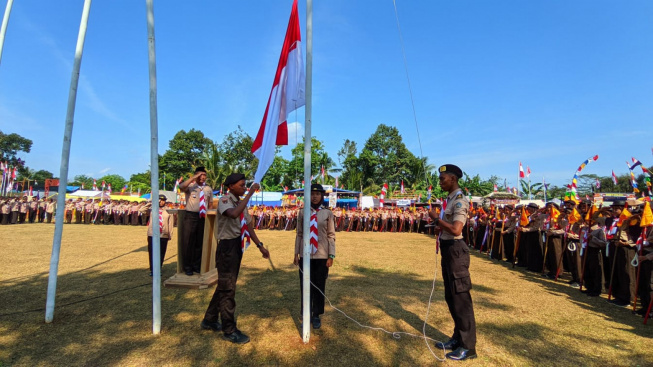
(103, 314)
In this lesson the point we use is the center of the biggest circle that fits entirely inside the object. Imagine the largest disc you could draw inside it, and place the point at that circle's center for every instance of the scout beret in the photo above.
(233, 178)
(317, 187)
(619, 203)
(163, 197)
(532, 205)
(450, 168)
(200, 169)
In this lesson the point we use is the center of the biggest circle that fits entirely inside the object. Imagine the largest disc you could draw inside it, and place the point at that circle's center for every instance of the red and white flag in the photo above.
(402, 187)
(614, 177)
(109, 188)
(598, 184)
(336, 182)
(496, 188)
(384, 191)
(521, 171)
(94, 185)
(528, 171)
(322, 172)
(286, 96)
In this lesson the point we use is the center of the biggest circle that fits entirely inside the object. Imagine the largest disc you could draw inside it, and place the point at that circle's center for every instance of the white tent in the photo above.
(87, 194)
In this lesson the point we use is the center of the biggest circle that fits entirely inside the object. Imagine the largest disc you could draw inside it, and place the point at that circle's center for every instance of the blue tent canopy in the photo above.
(337, 191)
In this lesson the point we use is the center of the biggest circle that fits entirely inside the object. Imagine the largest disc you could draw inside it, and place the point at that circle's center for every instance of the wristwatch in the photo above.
(259, 245)
(332, 256)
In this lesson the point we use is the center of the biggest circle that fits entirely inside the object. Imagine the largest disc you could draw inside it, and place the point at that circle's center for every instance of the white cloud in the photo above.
(103, 171)
(295, 133)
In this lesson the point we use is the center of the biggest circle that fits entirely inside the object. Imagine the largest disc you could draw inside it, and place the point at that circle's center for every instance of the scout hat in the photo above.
(163, 197)
(317, 187)
(233, 178)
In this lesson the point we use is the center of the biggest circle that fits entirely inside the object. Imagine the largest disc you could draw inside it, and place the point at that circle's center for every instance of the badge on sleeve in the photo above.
(459, 205)
(225, 199)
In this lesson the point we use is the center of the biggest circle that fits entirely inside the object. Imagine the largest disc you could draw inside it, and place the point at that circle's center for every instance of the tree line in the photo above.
(384, 158)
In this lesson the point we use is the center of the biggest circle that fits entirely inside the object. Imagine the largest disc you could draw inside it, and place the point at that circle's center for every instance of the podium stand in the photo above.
(208, 275)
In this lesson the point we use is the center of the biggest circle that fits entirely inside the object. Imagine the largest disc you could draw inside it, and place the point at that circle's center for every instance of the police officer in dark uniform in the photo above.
(455, 266)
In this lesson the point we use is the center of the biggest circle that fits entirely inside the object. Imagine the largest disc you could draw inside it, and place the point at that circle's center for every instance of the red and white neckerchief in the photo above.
(160, 221)
(613, 229)
(202, 203)
(244, 233)
(314, 231)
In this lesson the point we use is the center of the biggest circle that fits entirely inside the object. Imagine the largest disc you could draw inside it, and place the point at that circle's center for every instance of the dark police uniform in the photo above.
(455, 273)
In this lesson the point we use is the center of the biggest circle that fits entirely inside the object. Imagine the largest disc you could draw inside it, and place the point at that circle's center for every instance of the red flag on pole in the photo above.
(614, 177)
(286, 96)
(521, 171)
(402, 187)
(528, 171)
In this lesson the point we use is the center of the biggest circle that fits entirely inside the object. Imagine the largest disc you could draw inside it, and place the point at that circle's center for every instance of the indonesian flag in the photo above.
(30, 191)
(402, 187)
(384, 191)
(94, 185)
(428, 193)
(521, 171)
(528, 171)
(322, 172)
(109, 188)
(598, 184)
(13, 175)
(286, 96)
(614, 177)
(496, 188)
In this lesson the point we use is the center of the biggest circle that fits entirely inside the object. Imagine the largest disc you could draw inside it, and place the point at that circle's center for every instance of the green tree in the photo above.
(236, 151)
(80, 180)
(41, 175)
(117, 182)
(142, 181)
(184, 153)
(351, 176)
(319, 158)
(385, 158)
(11, 145)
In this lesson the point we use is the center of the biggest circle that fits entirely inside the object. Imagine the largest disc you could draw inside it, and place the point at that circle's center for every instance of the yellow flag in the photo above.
(625, 214)
(555, 213)
(574, 216)
(647, 216)
(523, 220)
(589, 214)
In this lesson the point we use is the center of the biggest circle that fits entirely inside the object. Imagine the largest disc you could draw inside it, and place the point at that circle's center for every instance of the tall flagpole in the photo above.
(306, 265)
(63, 172)
(154, 170)
(5, 22)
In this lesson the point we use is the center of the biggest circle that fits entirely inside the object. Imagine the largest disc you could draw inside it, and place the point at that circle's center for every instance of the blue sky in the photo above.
(549, 83)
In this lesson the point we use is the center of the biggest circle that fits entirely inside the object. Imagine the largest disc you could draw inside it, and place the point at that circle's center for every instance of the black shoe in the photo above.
(451, 344)
(189, 272)
(236, 337)
(593, 294)
(619, 303)
(196, 271)
(640, 312)
(208, 325)
(461, 354)
(316, 322)
(574, 284)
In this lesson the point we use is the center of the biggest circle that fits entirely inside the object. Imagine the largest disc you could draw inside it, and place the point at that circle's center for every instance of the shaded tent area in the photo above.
(267, 198)
(346, 198)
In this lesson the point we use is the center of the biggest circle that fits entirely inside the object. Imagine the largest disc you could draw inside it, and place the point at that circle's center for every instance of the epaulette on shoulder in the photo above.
(459, 196)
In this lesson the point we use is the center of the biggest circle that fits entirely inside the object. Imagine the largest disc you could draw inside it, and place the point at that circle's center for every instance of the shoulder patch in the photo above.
(225, 200)
(459, 205)
(459, 196)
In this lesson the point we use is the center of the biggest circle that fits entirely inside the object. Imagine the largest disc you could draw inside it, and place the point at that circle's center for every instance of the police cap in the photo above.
(453, 169)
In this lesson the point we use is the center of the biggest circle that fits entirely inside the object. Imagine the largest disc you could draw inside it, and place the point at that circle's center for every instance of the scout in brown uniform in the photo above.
(321, 256)
(32, 208)
(5, 211)
(233, 222)
(49, 210)
(455, 266)
(165, 221)
(23, 208)
(43, 204)
(195, 189)
(15, 208)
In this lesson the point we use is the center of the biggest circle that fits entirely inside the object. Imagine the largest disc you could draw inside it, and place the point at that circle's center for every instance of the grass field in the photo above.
(103, 308)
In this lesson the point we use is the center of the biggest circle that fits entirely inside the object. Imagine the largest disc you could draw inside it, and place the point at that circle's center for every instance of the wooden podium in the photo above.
(208, 275)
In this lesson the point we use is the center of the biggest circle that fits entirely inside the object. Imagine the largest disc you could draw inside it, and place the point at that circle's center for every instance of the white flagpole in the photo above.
(154, 170)
(63, 173)
(5, 22)
(306, 265)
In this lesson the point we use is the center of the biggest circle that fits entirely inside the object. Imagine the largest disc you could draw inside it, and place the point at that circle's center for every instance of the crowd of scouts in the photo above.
(598, 249)
(15, 210)
(387, 219)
